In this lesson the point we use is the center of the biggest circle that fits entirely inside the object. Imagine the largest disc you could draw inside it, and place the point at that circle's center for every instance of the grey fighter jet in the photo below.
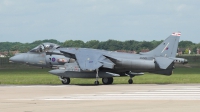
(44, 55)
(93, 63)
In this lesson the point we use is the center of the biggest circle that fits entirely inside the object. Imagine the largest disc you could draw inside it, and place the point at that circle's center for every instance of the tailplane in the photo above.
(168, 48)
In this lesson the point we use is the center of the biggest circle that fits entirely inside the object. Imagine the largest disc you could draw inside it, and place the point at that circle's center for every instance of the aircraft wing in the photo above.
(68, 51)
(89, 60)
(92, 61)
(163, 62)
(110, 57)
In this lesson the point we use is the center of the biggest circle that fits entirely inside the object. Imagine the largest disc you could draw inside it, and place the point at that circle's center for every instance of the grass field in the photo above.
(37, 76)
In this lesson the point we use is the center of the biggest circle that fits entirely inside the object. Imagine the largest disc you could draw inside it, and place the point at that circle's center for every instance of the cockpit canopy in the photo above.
(44, 47)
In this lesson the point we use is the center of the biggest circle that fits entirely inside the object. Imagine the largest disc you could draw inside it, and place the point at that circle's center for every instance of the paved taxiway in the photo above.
(109, 98)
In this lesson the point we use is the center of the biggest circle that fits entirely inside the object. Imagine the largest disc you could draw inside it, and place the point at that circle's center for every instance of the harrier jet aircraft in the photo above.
(93, 63)
(83, 63)
(42, 56)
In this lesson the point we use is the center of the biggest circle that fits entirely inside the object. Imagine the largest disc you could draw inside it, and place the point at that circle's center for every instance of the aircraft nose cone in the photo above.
(17, 58)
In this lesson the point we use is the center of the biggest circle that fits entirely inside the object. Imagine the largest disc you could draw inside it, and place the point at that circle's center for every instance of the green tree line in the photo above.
(113, 45)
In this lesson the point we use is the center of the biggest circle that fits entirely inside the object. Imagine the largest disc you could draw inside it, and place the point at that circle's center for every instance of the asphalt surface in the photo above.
(110, 98)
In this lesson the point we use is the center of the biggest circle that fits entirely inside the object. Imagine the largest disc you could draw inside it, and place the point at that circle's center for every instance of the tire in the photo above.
(66, 80)
(130, 81)
(111, 80)
(107, 81)
(96, 82)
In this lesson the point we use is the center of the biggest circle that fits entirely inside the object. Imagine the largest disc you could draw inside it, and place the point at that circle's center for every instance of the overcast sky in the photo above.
(31, 20)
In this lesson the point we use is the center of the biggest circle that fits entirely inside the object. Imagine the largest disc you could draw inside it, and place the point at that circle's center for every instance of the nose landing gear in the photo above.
(65, 80)
(97, 77)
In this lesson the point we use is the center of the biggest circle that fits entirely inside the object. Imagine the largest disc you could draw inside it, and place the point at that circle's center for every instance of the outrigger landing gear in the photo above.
(65, 80)
(97, 77)
(131, 75)
(130, 81)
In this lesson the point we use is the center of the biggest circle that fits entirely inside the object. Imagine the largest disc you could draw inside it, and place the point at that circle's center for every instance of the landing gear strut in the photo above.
(65, 80)
(97, 77)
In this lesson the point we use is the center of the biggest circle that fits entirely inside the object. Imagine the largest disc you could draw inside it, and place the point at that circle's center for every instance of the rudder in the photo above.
(168, 48)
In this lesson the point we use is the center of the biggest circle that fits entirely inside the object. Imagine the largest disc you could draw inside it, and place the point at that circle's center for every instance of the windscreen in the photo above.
(44, 47)
(38, 49)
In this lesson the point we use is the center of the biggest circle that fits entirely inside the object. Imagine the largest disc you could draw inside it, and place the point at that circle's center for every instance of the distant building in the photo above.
(198, 51)
(190, 51)
(182, 51)
(2, 56)
(14, 52)
(5, 53)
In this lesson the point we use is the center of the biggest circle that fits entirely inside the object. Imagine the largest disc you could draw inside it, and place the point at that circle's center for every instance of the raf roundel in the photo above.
(53, 59)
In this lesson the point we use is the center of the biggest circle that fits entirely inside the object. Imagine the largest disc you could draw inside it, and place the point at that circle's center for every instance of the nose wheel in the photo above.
(96, 82)
(65, 80)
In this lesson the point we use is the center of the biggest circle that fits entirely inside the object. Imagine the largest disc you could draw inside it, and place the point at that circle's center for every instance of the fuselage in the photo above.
(123, 61)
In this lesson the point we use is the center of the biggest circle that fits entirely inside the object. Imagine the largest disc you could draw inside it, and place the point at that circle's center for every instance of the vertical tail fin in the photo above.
(168, 48)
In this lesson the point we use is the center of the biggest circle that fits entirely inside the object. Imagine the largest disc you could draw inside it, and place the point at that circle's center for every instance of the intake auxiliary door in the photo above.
(49, 60)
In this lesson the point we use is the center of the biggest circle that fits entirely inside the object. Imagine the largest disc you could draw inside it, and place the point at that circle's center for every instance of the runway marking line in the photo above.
(154, 94)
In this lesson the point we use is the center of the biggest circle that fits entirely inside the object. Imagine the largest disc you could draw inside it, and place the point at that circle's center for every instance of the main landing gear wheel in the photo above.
(130, 81)
(107, 80)
(65, 80)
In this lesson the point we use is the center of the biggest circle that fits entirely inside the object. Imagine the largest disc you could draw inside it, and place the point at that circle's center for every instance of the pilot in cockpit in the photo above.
(44, 47)
(37, 49)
